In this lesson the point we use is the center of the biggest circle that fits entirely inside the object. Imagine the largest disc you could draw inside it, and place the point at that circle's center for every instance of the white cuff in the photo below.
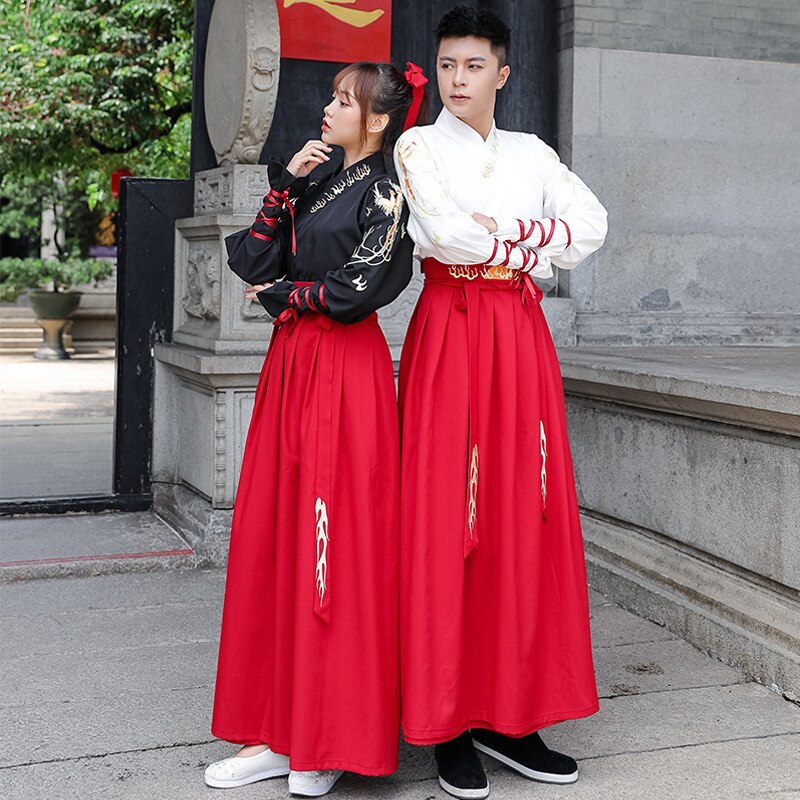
(507, 229)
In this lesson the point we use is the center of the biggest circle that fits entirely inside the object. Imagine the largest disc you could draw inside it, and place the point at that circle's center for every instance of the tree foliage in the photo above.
(87, 87)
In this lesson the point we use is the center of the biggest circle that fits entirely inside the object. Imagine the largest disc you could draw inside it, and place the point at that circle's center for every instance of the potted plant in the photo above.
(49, 284)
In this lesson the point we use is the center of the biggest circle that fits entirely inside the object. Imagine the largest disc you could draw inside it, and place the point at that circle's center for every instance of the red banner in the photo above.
(336, 30)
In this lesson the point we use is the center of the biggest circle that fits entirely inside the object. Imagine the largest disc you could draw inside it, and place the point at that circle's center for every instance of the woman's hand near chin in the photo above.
(313, 153)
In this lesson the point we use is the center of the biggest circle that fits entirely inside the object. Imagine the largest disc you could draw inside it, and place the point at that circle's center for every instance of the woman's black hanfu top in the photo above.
(349, 239)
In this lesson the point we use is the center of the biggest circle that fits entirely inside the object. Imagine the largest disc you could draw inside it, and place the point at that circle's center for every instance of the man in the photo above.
(495, 640)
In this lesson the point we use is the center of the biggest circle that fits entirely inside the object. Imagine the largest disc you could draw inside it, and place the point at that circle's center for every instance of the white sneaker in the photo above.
(240, 770)
(313, 783)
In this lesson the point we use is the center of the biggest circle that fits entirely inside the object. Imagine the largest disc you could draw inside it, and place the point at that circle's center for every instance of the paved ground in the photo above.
(33, 546)
(59, 414)
(107, 685)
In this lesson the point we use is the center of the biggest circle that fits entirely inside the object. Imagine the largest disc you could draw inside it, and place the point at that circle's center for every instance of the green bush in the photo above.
(18, 274)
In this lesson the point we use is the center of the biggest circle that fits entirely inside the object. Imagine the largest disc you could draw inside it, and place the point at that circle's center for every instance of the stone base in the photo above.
(724, 612)
(205, 528)
(94, 331)
(687, 466)
(203, 402)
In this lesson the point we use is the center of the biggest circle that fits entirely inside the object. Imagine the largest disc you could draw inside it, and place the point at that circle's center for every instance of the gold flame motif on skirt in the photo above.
(322, 548)
(543, 451)
(472, 504)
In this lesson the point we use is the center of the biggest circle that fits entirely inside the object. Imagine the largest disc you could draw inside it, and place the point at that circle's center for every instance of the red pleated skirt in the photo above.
(308, 658)
(494, 602)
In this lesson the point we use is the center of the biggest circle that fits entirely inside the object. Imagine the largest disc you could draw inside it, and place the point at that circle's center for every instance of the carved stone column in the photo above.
(206, 377)
(241, 78)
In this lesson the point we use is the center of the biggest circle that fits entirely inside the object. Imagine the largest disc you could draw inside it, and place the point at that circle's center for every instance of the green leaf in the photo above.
(92, 193)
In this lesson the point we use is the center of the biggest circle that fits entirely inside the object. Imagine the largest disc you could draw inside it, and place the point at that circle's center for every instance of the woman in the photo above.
(308, 662)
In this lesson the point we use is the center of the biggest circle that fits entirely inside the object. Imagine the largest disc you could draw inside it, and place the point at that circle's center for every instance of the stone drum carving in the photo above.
(241, 78)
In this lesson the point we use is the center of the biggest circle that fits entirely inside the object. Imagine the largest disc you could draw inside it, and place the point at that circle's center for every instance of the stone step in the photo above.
(93, 345)
(12, 340)
(13, 323)
(17, 352)
(28, 347)
(19, 331)
(19, 343)
(16, 312)
(686, 463)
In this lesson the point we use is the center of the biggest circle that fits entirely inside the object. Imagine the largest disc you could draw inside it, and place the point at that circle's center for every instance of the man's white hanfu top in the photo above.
(544, 212)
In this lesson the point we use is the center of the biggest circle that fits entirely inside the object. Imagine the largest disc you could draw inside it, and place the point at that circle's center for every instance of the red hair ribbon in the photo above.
(417, 79)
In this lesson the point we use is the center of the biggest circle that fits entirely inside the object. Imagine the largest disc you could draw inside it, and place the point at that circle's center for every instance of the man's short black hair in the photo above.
(478, 22)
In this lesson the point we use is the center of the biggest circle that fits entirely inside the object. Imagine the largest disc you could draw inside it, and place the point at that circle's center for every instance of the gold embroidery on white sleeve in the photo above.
(322, 547)
(488, 168)
(424, 206)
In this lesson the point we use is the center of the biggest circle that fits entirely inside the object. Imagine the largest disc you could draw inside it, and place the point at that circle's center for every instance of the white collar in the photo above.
(450, 123)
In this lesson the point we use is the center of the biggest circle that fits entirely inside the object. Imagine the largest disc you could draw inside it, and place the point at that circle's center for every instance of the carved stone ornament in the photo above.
(252, 309)
(202, 297)
(234, 189)
(241, 78)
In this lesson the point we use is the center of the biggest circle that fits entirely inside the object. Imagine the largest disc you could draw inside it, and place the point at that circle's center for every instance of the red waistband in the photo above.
(483, 276)
(459, 274)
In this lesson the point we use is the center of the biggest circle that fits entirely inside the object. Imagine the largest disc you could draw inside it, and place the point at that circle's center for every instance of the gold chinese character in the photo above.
(351, 16)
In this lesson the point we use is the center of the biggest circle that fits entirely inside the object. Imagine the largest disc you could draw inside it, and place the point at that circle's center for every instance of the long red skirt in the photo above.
(308, 658)
(494, 601)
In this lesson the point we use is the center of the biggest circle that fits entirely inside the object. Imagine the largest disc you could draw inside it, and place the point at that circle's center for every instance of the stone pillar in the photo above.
(206, 376)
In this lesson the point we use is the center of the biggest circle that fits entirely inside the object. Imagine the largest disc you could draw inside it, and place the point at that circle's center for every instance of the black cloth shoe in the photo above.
(528, 755)
(460, 770)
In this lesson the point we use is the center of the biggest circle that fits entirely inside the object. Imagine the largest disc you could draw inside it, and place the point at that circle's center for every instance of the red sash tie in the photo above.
(472, 280)
(321, 516)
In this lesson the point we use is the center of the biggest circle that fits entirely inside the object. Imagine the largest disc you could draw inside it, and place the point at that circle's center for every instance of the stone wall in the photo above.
(693, 157)
(681, 116)
(767, 30)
